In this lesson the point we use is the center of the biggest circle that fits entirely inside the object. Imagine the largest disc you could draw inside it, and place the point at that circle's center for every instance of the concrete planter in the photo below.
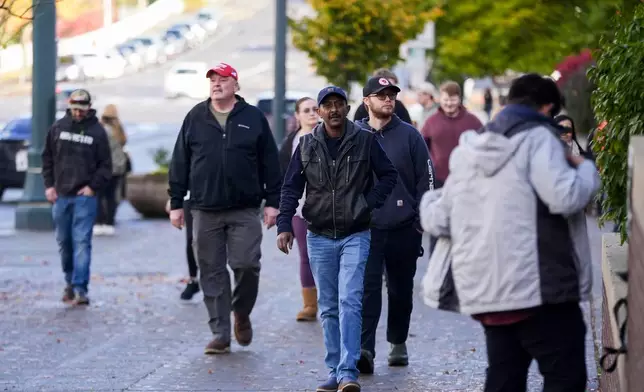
(148, 194)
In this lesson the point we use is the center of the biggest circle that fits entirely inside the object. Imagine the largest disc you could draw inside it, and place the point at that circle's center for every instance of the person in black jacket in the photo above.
(399, 108)
(336, 164)
(396, 233)
(76, 164)
(225, 155)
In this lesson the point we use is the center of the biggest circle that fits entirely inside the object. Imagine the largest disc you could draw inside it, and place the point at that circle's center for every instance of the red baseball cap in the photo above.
(222, 69)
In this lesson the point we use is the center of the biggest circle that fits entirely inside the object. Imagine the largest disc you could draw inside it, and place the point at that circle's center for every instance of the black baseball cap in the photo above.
(331, 90)
(376, 85)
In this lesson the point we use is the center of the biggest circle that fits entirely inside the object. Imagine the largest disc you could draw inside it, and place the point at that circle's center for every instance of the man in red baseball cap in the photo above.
(226, 158)
(222, 69)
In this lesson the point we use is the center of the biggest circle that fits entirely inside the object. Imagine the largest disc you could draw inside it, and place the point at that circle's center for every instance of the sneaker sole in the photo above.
(215, 351)
(326, 389)
(350, 388)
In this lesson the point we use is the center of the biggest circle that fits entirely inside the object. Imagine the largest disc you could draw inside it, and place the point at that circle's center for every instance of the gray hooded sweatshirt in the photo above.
(513, 209)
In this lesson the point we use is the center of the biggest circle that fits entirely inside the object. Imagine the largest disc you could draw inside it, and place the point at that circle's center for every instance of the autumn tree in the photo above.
(349, 39)
(488, 37)
(15, 16)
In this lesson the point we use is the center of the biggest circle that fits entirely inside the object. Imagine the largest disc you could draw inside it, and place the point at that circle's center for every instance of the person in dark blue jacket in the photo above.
(396, 232)
(336, 163)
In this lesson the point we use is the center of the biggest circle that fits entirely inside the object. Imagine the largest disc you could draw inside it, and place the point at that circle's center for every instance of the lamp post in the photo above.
(280, 71)
(33, 211)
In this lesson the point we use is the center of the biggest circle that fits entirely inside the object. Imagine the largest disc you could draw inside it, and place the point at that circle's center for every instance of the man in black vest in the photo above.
(336, 163)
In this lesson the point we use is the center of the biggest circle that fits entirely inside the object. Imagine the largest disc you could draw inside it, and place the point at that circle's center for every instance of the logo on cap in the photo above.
(383, 82)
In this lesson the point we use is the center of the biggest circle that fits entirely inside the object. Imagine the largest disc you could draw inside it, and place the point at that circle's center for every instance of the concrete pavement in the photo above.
(138, 336)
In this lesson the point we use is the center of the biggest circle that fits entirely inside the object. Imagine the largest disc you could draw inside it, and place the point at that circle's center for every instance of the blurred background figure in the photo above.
(568, 134)
(489, 103)
(109, 197)
(307, 118)
(426, 105)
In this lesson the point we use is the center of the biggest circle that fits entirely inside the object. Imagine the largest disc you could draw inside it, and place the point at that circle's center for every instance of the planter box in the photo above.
(148, 194)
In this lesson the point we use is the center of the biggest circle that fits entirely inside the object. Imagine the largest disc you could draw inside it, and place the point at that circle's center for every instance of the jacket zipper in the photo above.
(225, 155)
(348, 167)
(335, 229)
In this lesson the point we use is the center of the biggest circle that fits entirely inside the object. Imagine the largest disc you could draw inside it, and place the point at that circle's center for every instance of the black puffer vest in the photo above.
(335, 205)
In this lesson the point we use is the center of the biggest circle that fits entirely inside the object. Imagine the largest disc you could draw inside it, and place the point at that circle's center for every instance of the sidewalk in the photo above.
(138, 336)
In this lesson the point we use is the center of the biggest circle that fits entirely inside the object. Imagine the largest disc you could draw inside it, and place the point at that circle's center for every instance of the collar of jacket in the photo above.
(395, 121)
(240, 104)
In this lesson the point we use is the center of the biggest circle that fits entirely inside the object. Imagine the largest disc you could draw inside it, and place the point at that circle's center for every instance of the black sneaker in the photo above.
(191, 289)
(81, 299)
(365, 363)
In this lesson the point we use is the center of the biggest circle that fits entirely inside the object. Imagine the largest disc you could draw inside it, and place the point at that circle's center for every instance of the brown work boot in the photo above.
(217, 346)
(68, 294)
(243, 329)
(310, 310)
(349, 386)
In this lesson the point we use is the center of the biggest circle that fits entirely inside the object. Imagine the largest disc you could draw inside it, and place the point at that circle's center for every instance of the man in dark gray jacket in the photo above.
(395, 227)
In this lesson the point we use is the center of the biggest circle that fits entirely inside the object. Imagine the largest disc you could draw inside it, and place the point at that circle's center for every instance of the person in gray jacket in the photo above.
(520, 261)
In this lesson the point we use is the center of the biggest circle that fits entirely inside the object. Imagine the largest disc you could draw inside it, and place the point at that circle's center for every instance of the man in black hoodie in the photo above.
(396, 233)
(399, 108)
(76, 164)
(225, 155)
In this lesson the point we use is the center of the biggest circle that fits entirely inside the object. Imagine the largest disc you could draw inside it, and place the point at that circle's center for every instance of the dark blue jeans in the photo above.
(74, 218)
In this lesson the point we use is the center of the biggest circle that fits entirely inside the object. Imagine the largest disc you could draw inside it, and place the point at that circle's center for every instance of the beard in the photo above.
(382, 114)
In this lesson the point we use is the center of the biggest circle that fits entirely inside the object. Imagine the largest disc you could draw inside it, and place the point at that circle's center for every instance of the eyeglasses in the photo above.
(384, 96)
(309, 110)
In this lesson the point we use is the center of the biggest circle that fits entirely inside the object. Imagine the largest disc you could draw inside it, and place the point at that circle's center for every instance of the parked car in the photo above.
(186, 33)
(175, 43)
(187, 79)
(152, 49)
(69, 69)
(14, 142)
(209, 20)
(132, 55)
(265, 104)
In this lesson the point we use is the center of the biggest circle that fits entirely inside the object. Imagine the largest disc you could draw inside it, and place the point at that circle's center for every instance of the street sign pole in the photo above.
(34, 212)
(280, 71)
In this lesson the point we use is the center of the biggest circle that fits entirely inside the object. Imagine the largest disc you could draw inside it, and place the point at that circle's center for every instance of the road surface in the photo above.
(138, 336)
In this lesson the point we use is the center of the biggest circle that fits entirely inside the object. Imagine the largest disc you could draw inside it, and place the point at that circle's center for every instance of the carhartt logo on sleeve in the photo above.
(76, 138)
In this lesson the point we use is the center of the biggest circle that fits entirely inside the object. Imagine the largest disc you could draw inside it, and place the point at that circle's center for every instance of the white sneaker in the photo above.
(108, 230)
(98, 230)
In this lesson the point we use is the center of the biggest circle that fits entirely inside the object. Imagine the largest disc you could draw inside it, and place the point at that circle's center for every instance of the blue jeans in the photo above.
(74, 218)
(338, 267)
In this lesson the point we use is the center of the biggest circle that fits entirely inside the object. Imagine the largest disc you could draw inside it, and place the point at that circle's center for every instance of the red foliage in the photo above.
(86, 22)
(573, 63)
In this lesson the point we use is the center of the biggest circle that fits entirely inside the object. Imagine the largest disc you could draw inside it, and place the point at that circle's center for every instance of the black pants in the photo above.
(107, 202)
(393, 252)
(190, 254)
(554, 337)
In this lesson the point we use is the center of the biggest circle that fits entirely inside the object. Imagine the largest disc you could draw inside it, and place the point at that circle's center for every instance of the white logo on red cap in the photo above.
(383, 82)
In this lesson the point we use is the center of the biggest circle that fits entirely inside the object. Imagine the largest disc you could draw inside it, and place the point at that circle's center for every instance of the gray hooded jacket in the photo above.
(513, 208)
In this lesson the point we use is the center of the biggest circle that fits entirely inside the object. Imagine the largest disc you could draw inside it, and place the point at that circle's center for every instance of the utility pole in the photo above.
(34, 212)
(280, 71)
